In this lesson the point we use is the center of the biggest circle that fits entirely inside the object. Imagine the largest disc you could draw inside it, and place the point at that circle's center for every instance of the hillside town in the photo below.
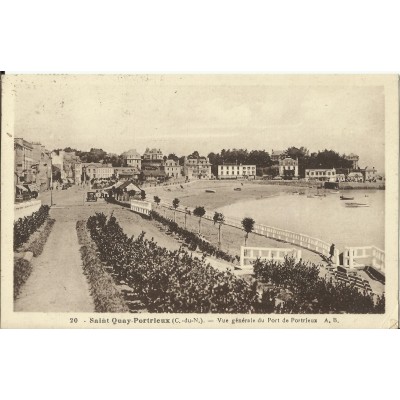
(37, 169)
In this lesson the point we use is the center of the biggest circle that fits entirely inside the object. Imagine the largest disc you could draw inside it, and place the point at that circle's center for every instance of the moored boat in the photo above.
(238, 189)
(357, 205)
(346, 198)
(210, 191)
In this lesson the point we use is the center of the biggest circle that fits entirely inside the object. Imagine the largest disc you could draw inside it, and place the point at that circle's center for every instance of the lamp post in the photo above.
(51, 181)
(185, 216)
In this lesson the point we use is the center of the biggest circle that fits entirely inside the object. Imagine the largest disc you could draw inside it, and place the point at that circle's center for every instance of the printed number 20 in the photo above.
(73, 320)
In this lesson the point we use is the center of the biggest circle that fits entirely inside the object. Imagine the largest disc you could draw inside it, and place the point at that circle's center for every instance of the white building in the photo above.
(355, 177)
(325, 175)
(88, 171)
(172, 169)
(133, 158)
(340, 178)
(153, 154)
(370, 174)
(289, 168)
(197, 168)
(234, 171)
(104, 172)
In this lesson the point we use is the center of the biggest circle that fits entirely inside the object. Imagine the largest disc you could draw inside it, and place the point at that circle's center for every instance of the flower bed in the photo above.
(24, 227)
(192, 239)
(106, 297)
(167, 281)
(310, 293)
(37, 244)
(22, 270)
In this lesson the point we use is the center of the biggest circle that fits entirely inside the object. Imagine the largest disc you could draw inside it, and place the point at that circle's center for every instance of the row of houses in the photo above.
(289, 169)
(151, 166)
(32, 165)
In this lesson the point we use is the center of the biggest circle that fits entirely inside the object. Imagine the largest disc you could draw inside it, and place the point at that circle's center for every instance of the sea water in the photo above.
(325, 218)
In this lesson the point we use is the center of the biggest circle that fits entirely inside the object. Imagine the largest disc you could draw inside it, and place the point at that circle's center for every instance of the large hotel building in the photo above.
(234, 171)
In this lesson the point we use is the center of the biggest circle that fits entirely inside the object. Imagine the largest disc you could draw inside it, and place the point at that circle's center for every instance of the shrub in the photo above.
(22, 270)
(191, 239)
(168, 281)
(24, 227)
(106, 297)
(311, 293)
(37, 245)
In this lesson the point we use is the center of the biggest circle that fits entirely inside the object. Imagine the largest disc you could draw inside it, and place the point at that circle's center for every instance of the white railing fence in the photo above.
(371, 255)
(359, 257)
(26, 209)
(249, 254)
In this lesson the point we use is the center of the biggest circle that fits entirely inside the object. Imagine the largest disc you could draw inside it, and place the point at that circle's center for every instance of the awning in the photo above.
(20, 187)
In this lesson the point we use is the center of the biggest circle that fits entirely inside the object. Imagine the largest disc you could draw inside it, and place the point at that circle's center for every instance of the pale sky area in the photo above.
(183, 114)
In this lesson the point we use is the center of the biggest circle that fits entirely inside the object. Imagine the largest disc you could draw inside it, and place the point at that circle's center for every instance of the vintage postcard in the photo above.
(199, 201)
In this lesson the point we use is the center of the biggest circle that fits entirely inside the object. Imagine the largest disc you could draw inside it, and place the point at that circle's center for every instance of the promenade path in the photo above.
(57, 282)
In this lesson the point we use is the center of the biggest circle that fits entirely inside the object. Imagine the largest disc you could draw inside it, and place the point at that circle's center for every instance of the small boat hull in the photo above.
(356, 205)
(210, 191)
(346, 198)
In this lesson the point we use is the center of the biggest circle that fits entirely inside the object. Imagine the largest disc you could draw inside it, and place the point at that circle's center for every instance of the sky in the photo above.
(180, 114)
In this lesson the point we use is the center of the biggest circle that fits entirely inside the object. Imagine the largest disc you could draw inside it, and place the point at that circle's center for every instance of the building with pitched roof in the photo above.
(153, 154)
(197, 168)
(133, 158)
(288, 168)
(276, 155)
(354, 159)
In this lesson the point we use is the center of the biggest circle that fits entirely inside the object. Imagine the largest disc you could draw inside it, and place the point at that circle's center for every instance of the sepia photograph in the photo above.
(199, 200)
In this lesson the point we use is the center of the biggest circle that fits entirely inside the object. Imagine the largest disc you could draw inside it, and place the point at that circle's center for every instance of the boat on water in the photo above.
(238, 189)
(355, 205)
(210, 191)
(346, 198)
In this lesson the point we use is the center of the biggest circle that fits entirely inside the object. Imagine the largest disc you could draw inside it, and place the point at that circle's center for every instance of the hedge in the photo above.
(106, 297)
(192, 239)
(24, 227)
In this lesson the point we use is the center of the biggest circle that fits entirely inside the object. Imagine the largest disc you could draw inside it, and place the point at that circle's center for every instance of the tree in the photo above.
(175, 204)
(69, 150)
(219, 219)
(173, 156)
(56, 173)
(248, 226)
(199, 211)
(157, 200)
(143, 194)
(194, 155)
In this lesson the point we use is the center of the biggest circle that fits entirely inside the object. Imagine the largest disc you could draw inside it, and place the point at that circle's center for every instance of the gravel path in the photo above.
(57, 282)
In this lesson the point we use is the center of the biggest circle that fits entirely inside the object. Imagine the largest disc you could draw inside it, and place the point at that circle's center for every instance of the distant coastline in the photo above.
(342, 185)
